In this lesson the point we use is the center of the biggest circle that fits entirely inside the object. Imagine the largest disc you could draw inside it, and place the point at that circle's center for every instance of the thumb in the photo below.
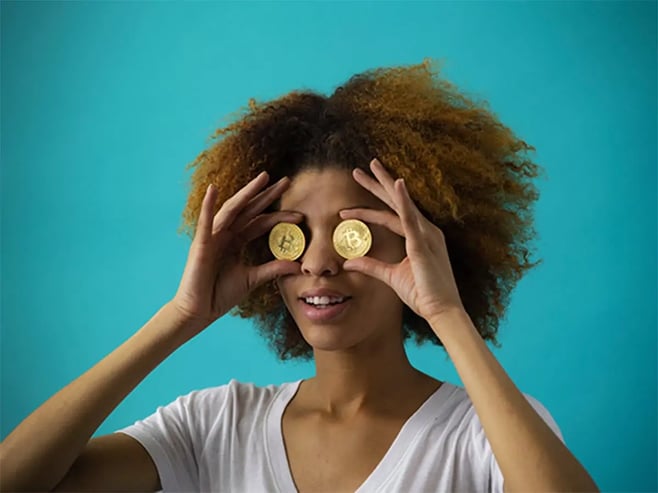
(369, 266)
(270, 270)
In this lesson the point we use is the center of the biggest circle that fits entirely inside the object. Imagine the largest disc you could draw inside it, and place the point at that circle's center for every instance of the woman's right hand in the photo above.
(215, 279)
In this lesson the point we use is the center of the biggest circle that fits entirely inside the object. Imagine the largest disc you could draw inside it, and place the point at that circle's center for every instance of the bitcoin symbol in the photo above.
(353, 239)
(285, 244)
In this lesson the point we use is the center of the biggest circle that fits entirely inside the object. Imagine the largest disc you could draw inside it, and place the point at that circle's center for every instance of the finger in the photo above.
(409, 214)
(268, 271)
(234, 205)
(370, 184)
(263, 223)
(371, 267)
(203, 228)
(387, 219)
(260, 202)
(384, 178)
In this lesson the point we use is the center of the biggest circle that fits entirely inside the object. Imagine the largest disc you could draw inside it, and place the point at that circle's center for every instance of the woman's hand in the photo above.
(423, 279)
(214, 279)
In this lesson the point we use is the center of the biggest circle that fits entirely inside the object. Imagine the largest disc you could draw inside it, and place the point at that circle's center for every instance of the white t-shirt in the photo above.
(228, 438)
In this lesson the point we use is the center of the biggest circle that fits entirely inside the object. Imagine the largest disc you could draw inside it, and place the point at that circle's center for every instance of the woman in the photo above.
(368, 420)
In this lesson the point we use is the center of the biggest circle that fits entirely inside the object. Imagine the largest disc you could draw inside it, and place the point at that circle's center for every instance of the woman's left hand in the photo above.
(423, 279)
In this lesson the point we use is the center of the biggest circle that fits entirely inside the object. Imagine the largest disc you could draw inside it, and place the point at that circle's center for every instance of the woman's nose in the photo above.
(320, 258)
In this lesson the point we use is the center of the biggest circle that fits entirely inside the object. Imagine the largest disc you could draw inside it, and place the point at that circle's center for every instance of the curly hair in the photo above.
(466, 172)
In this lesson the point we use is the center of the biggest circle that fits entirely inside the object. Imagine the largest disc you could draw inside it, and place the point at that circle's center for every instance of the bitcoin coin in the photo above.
(287, 241)
(352, 238)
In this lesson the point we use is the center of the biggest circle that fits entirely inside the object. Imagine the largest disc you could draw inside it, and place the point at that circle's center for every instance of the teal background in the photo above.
(103, 105)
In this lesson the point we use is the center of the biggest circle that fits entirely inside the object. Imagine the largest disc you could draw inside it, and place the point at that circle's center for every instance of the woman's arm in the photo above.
(39, 452)
(530, 455)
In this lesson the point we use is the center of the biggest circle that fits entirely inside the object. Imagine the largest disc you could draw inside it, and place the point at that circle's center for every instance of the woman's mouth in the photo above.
(324, 309)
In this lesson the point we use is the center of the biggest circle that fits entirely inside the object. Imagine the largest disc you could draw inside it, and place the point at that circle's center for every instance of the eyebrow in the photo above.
(361, 206)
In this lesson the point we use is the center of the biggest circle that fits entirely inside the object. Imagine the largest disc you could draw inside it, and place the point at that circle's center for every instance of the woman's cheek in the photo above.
(283, 288)
(387, 247)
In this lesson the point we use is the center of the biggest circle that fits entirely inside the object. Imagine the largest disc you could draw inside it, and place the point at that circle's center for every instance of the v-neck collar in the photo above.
(410, 432)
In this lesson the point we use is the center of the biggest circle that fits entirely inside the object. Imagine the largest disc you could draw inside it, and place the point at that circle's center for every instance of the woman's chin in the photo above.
(326, 338)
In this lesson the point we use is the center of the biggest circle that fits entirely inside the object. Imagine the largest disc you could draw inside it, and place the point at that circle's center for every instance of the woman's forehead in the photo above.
(329, 189)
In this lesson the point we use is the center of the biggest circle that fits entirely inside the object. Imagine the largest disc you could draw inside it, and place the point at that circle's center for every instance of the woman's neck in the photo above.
(348, 384)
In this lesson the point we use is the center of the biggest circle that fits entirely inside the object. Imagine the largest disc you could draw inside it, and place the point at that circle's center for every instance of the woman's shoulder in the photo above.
(251, 391)
(239, 393)
(455, 410)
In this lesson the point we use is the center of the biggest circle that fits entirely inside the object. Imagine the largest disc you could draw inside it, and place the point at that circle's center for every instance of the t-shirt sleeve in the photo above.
(174, 436)
(496, 475)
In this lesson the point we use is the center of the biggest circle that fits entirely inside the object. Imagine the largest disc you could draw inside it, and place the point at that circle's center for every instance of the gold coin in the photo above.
(287, 241)
(352, 238)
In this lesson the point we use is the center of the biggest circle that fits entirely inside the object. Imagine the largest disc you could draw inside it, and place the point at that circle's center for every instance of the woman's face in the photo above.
(373, 310)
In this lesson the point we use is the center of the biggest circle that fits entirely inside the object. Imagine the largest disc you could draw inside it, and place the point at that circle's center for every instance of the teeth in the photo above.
(323, 300)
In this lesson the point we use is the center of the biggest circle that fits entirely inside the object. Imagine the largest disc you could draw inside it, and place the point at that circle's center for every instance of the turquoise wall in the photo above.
(103, 105)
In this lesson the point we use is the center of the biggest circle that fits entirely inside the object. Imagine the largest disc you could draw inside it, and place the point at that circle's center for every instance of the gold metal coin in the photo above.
(352, 238)
(287, 241)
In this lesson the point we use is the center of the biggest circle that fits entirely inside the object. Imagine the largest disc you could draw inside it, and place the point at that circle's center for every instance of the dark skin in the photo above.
(341, 422)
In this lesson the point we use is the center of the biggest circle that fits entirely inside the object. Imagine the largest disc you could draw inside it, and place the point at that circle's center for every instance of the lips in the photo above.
(331, 293)
(331, 313)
